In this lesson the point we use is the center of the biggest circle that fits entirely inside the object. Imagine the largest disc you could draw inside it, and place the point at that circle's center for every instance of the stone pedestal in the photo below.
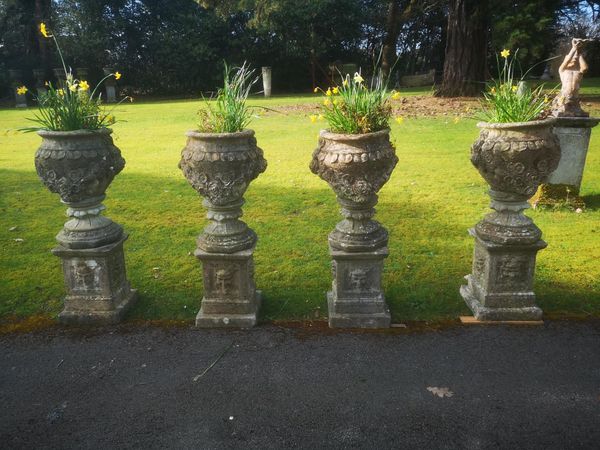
(15, 78)
(230, 295)
(266, 78)
(500, 286)
(564, 184)
(356, 299)
(40, 82)
(98, 291)
(110, 86)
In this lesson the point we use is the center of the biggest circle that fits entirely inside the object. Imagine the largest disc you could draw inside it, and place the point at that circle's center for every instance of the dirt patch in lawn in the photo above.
(427, 106)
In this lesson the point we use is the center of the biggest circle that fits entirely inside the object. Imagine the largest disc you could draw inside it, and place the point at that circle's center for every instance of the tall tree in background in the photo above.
(465, 65)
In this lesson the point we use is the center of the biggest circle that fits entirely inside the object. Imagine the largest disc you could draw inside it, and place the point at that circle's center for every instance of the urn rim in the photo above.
(214, 136)
(81, 132)
(517, 125)
(326, 134)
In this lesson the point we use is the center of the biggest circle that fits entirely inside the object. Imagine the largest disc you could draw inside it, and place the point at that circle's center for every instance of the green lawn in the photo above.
(433, 197)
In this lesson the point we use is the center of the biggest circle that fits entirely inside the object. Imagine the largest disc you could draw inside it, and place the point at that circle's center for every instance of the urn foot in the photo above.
(230, 295)
(356, 299)
(98, 291)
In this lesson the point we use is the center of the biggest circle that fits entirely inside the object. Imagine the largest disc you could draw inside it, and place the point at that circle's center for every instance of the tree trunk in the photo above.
(392, 30)
(466, 49)
(42, 14)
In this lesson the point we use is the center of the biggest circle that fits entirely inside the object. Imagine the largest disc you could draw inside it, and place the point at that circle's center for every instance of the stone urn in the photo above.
(356, 166)
(79, 166)
(514, 159)
(220, 167)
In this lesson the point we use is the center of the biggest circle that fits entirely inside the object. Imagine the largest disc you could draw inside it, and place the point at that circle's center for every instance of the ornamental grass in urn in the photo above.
(515, 152)
(220, 160)
(78, 160)
(356, 158)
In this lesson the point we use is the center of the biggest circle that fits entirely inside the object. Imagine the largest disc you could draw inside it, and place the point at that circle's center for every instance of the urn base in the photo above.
(356, 299)
(500, 286)
(483, 313)
(230, 295)
(98, 291)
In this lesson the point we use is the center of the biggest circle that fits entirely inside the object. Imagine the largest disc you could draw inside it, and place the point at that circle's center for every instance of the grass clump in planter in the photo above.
(229, 113)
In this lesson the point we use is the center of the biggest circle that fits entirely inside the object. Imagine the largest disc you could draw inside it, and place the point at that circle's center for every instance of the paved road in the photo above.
(148, 387)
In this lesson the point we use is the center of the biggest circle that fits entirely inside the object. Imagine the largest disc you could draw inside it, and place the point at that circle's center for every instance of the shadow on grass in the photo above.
(592, 201)
(430, 251)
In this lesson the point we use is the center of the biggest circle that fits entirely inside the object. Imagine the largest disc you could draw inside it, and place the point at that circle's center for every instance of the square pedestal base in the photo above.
(500, 286)
(230, 296)
(356, 299)
(98, 291)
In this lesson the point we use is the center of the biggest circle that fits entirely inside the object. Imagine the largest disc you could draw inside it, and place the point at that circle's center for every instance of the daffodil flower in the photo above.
(46, 83)
(60, 92)
(22, 90)
(336, 90)
(493, 90)
(44, 31)
(328, 93)
(117, 75)
(345, 82)
(514, 88)
(456, 119)
(73, 87)
(395, 95)
(400, 120)
(315, 90)
(313, 118)
(358, 78)
(327, 102)
(505, 53)
(83, 86)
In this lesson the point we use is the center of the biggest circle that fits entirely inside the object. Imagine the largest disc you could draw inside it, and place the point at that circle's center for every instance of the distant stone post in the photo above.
(266, 77)
(15, 76)
(40, 81)
(59, 74)
(110, 85)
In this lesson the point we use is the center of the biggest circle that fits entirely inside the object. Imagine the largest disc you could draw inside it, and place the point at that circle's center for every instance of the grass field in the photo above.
(433, 197)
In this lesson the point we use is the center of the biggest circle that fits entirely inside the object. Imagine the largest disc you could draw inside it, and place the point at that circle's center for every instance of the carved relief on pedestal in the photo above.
(85, 275)
(358, 279)
(512, 272)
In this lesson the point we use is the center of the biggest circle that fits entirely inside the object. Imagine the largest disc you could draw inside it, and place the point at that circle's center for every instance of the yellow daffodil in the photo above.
(44, 31)
(345, 82)
(73, 87)
(546, 99)
(514, 88)
(336, 90)
(505, 53)
(110, 119)
(358, 78)
(83, 86)
(395, 95)
(456, 119)
(117, 75)
(315, 90)
(400, 120)
(46, 83)
(22, 90)
(328, 93)
(320, 117)
(327, 102)
(493, 90)
(60, 92)
(313, 118)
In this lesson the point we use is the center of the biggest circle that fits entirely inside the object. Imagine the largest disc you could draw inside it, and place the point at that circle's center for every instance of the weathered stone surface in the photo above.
(356, 167)
(514, 159)
(230, 295)
(571, 71)
(356, 299)
(98, 291)
(220, 167)
(79, 166)
(564, 183)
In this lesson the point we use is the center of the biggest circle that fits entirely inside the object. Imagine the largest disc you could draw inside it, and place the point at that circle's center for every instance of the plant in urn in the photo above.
(356, 158)
(78, 160)
(514, 154)
(219, 161)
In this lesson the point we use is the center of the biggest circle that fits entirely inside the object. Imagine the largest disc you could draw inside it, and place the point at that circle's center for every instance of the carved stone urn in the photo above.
(514, 158)
(220, 166)
(356, 166)
(79, 166)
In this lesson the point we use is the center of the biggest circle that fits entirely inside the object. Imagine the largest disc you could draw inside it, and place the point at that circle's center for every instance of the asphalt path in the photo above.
(275, 387)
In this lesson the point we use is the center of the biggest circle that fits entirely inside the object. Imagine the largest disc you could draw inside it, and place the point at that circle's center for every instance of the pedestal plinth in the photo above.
(98, 291)
(500, 286)
(230, 295)
(356, 299)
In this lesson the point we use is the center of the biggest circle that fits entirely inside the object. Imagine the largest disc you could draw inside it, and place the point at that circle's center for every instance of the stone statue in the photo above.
(566, 104)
